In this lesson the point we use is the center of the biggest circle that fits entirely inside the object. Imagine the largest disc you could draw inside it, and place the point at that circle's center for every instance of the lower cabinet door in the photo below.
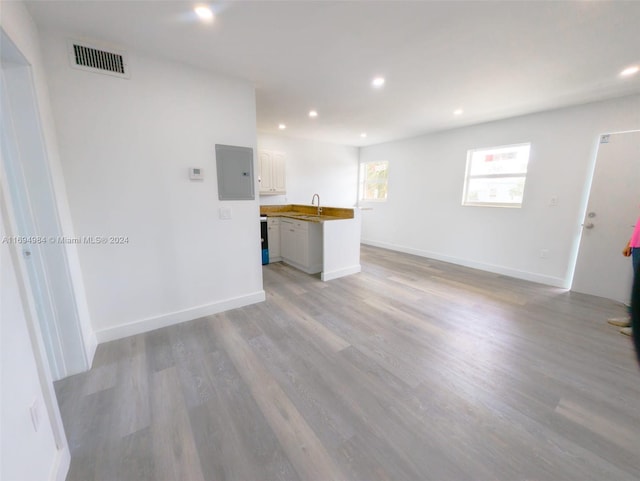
(274, 238)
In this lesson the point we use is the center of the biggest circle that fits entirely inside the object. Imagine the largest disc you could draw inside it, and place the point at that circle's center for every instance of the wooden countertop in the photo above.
(307, 213)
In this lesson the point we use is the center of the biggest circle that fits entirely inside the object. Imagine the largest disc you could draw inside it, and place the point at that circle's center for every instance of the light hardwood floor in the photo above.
(411, 370)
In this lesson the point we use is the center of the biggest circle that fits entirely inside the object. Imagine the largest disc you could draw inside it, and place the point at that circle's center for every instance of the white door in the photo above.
(613, 208)
(33, 205)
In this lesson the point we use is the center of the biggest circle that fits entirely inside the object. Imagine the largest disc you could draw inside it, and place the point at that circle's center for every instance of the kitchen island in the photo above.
(325, 241)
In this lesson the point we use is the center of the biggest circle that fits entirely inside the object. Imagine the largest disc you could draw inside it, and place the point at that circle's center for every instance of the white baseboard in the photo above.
(507, 271)
(150, 324)
(347, 271)
(314, 269)
(61, 464)
(91, 344)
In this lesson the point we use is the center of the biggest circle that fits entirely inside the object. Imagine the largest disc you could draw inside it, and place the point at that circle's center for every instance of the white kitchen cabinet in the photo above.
(301, 244)
(289, 248)
(273, 233)
(271, 168)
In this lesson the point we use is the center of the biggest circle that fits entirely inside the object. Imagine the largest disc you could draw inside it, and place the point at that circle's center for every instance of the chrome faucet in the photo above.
(313, 199)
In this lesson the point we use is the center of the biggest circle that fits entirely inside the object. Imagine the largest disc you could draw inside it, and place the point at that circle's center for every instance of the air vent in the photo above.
(99, 60)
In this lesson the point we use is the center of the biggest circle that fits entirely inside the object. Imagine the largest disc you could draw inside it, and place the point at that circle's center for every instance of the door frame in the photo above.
(585, 202)
(43, 368)
(47, 277)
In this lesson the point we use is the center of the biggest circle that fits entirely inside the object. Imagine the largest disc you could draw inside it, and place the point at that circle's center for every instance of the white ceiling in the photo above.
(492, 59)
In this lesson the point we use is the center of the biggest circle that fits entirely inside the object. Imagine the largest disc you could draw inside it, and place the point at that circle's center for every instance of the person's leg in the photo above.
(620, 321)
(635, 310)
(635, 258)
(625, 322)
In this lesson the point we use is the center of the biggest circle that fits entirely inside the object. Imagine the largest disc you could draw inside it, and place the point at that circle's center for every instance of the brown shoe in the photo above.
(619, 321)
(626, 331)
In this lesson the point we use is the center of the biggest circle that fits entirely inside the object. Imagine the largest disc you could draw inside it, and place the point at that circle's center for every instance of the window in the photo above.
(373, 180)
(496, 176)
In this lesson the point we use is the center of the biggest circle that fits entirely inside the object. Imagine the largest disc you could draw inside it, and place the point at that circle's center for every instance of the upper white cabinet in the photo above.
(271, 168)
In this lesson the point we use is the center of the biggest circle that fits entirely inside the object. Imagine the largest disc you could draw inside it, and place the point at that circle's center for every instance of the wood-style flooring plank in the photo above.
(174, 451)
(412, 370)
(305, 451)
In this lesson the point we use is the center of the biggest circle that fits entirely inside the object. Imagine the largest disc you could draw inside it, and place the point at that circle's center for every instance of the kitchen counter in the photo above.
(336, 233)
(307, 213)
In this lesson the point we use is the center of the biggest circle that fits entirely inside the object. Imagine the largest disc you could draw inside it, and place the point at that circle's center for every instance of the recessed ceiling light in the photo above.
(378, 82)
(282, 126)
(313, 113)
(363, 135)
(204, 13)
(630, 71)
(458, 112)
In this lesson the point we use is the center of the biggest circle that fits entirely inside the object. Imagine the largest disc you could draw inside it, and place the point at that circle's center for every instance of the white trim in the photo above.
(493, 204)
(152, 323)
(347, 271)
(362, 182)
(69, 357)
(518, 274)
(90, 347)
(512, 175)
(584, 203)
(61, 465)
(313, 269)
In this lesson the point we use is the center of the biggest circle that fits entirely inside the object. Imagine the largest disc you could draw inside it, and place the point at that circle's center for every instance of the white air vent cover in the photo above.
(96, 59)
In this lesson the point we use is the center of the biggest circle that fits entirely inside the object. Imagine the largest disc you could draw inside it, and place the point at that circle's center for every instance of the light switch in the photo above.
(224, 213)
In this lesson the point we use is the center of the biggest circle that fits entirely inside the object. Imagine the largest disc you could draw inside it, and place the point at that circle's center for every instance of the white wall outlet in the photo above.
(196, 173)
(224, 213)
(544, 253)
(553, 201)
(34, 410)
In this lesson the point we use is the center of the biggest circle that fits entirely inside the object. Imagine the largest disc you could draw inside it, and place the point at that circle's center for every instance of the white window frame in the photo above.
(468, 177)
(362, 181)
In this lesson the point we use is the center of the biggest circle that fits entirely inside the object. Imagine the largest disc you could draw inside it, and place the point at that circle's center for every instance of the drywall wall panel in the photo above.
(424, 213)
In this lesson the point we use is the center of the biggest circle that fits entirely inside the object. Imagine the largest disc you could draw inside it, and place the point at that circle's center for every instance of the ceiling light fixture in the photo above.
(313, 113)
(630, 71)
(363, 135)
(282, 126)
(204, 13)
(377, 82)
(458, 112)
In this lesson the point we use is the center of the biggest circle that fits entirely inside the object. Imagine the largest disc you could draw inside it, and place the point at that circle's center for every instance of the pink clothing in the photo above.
(635, 237)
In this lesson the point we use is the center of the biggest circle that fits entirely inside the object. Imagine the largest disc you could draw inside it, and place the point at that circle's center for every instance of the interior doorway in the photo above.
(33, 204)
(612, 210)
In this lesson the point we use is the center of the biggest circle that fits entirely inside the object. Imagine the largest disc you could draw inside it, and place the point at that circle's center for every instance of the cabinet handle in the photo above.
(291, 230)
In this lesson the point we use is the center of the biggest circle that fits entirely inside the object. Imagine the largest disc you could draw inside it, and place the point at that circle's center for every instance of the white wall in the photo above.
(126, 146)
(424, 216)
(330, 170)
